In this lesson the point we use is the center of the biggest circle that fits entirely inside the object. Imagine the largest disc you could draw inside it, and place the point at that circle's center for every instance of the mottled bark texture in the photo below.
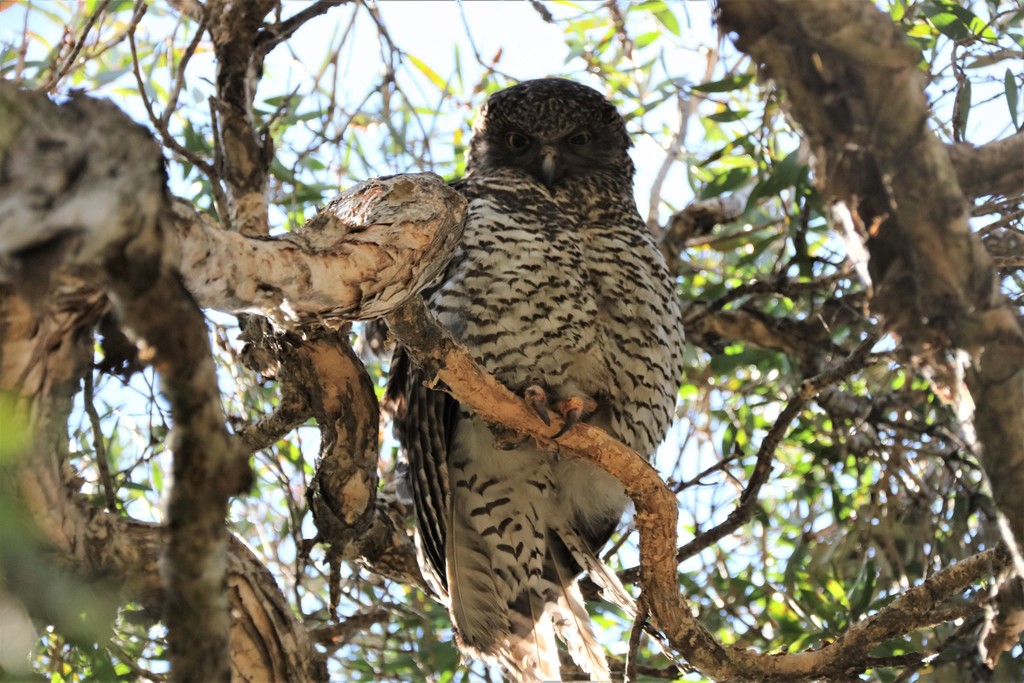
(856, 88)
(85, 219)
(357, 258)
(86, 224)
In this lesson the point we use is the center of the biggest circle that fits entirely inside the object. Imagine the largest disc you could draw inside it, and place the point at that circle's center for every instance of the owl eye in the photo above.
(516, 140)
(580, 139)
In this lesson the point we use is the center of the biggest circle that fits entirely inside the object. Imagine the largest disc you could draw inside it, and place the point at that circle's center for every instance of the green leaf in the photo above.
(785, 174)
(428, 72)
(668, 20)
(1010, 83)
(105, 77)
(957, 22)
(726, 84)
(645, 39)
(727, 115)
(963, 107)
(897, 10)
(725, 182)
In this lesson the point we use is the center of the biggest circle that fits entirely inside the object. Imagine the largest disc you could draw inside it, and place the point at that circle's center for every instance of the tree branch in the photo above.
(359, 257)
(861, 101)
(994, 168)
(244, 162)
(455, 371)
(99, 217)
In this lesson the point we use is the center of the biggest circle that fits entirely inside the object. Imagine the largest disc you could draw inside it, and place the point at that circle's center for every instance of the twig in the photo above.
(744, 509)
(160, 123)
(339, 634)
(70, 61)
(273, 34)
(635, 634)
(686, 106)
(179, 75)
(543, 11)
(489, 67)
(693, 481)
(88, 391)
(19, 69)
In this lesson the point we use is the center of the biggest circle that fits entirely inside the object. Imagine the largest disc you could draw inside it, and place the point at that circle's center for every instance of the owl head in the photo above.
(552, 128)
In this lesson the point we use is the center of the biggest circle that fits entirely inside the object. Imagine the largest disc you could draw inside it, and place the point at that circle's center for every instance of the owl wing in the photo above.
(425, 422)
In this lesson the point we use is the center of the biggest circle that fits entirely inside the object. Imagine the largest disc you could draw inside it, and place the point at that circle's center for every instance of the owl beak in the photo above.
(549, 165)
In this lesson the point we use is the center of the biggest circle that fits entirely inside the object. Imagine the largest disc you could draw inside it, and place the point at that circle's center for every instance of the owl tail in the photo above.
(497, 617)
(557, 609)
(573, 626)
(612, 589)
(530, 653)
(518, 633)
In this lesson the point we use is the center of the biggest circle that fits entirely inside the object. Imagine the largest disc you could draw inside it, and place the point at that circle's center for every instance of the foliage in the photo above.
(874, 486)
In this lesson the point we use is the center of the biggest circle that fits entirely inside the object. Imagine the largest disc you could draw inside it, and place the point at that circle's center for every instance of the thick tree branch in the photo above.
(994, 168)
(107, 161)
(360, 256)
(81, 202)
(44, 353)
(352, 518)
(143, 277)
(856, 88)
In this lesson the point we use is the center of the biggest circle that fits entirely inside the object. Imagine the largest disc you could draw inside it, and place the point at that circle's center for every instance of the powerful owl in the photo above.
(559, 290)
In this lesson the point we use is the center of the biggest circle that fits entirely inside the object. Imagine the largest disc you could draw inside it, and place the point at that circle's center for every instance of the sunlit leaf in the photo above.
(725, 182)
(431, 75)
(726, 84)
(956, 21)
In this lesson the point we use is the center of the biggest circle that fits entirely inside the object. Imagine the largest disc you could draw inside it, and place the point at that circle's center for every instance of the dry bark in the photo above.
(90, 215)
(85, 220)
(358, 258)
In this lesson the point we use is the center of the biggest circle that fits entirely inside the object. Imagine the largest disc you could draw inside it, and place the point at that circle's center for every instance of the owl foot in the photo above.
(572, 409)
(537, 398)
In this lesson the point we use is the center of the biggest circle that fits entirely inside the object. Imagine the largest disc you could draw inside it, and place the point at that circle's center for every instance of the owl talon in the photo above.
(573, 409)
(537, 398)
(570, 421)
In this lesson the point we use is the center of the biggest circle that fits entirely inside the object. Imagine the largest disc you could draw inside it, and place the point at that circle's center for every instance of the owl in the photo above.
(558, 290)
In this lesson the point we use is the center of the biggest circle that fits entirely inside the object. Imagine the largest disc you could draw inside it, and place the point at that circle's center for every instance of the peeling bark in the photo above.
(362, 255)
(85, 220)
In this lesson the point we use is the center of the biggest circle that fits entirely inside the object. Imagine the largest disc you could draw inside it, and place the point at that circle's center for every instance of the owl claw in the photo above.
(537, 398)
(573, 409)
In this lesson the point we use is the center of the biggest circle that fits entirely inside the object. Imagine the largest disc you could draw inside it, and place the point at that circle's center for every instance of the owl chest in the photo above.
(522, 300)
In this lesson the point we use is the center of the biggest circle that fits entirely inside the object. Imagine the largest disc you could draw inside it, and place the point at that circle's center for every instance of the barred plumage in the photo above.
(557, 285)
